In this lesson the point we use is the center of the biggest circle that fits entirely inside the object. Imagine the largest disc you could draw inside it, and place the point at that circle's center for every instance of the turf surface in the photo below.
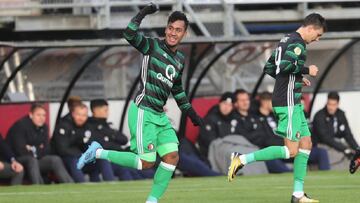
(326, 186)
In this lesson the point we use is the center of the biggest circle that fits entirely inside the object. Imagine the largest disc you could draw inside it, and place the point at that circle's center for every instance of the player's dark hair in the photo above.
(265, 96)
(98, 103)
(240, 91)
(316, 20)
(334, 96)
(178, 15)
(35, 106)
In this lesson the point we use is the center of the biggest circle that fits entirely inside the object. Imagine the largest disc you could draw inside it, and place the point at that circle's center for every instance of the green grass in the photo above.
(326, 186)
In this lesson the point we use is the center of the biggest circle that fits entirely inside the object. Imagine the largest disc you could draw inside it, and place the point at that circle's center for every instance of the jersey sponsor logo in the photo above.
(170, 74)
(297, 51)
(164, 80)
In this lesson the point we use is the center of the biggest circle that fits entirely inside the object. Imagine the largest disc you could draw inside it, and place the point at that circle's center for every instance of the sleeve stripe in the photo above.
(185, 106)
(180, 95)
(133, 26)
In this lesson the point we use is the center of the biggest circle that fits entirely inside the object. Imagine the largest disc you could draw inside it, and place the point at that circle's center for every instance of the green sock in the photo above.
(127, 159)
(300, 167)
(268, 153)
(162, 178)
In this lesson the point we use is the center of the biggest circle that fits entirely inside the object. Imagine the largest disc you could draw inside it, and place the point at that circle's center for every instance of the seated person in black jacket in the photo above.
(219, 122)
(267, 123)
(70, 139)
(29, 139)
(111, 139)
(9, 167)
(71, 102)
(330, 127)
(267, 120)
(248, 125)
(103, 132)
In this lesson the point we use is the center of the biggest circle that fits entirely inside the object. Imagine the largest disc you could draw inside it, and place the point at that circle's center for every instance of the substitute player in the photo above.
(286, 65)
(151, 131)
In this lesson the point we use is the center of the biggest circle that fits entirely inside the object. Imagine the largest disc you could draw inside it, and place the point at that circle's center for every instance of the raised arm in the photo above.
(132, 34)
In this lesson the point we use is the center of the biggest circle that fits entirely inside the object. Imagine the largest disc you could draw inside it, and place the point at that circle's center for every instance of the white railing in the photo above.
(105, 13)
(48, 4)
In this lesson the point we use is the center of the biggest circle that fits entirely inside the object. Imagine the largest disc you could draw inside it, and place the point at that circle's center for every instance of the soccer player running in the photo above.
(286, 65)
(150, 128)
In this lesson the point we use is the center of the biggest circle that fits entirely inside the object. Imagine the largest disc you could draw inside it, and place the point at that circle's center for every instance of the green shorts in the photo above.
(151, 132)
(292, 123)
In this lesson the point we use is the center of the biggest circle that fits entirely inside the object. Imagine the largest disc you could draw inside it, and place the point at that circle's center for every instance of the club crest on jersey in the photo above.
(297, 51)
(150, 147)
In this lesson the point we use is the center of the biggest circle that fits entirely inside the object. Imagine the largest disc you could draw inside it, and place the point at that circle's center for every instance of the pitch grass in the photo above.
(340, 187)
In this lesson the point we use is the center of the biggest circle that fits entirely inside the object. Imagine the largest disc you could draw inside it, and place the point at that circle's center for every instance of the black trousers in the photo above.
(49, 163)
(8, 173)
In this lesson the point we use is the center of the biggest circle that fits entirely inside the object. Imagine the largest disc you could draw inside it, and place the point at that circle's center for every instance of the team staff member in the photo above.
(102, 131)
(219, 122)
(248, 125)
(267, 125)
(70, 139)
(330, 125)
(111, 139)
(9, 167)
(29, 139)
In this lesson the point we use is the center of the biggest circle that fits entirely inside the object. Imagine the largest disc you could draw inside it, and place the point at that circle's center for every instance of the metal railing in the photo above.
(55, 4)
(108, 13)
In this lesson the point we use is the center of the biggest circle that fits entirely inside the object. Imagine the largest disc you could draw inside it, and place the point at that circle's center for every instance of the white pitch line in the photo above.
(170, 190)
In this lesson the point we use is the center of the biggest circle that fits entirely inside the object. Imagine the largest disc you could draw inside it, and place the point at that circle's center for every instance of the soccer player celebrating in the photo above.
(151, 131)
(286, 65)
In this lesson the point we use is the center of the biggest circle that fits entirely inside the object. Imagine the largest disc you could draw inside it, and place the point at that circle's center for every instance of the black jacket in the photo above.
(6, 153)
(327, 127)
(267, 123)
(69, 140)
(108, 137)
(24, 132)
(250, 128)
(216, 126)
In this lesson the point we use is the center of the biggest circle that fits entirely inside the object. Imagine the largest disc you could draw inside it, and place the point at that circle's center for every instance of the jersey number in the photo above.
(278, 59)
